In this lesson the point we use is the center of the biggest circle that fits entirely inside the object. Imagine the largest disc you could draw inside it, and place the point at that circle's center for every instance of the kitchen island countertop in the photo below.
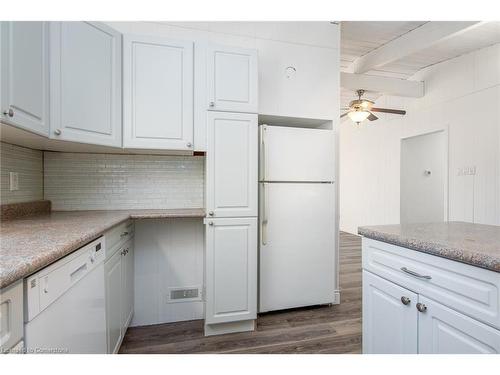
(474, 244)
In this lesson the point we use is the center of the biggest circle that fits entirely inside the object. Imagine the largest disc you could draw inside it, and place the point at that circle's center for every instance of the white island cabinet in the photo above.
(25, 75)
(420, 303)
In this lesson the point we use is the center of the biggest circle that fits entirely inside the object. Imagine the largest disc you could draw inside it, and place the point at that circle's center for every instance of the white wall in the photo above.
(76, 181)
(462, 95)
(28, 164)
(169, 253)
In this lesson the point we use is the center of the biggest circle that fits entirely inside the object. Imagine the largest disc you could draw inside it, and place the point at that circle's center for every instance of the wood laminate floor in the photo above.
(319, 329)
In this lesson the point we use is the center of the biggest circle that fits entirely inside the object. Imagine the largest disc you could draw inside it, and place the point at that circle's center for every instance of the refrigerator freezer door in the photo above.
(297, 245)
(296, 154)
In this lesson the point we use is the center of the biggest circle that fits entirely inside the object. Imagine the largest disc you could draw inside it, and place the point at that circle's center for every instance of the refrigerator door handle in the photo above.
(263, 151)
(263, 228)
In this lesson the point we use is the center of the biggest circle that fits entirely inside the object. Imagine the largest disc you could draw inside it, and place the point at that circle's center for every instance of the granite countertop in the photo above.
(475, 244)
(31, 243)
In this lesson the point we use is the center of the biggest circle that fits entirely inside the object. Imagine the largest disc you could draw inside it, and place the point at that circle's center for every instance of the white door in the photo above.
(232, 76)
(231, 270)
(25, 75)
(389, 317)
(113, 283)
(296, 154)
(423, 176)
(157, 93)
(232, 163)
(442, 330)
(297, 245)
(85, 83)
(127, 284)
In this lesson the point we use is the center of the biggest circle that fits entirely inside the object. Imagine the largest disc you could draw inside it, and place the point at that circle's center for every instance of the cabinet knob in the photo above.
(123, 234)
(211, 223)
(189, 145)
(210, 213)
(405, 300)
(211, 104)
(57, 132)
(9, 112)
(421, 307)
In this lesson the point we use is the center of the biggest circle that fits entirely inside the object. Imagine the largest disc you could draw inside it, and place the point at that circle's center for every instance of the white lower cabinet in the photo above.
(113, 282)
(231, 270)
(389, 317)
(442, 330)
(119, 282)
(419, 303)
(11, 318)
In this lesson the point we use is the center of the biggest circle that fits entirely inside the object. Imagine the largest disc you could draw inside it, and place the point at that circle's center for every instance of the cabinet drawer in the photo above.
(118, 235)
(471, 290)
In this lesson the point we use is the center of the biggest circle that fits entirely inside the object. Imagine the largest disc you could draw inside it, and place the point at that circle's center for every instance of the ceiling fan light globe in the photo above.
(358, 116)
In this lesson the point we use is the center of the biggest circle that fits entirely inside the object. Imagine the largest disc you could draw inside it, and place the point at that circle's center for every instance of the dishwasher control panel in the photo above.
(48, 284)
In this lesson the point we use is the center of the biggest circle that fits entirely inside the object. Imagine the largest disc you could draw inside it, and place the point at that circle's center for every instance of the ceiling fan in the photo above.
(361, 109)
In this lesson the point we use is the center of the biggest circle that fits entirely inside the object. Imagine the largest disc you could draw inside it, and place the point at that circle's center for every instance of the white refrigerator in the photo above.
(297, 218)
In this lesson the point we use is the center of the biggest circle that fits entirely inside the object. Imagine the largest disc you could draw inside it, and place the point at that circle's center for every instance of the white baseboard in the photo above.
(232, 327)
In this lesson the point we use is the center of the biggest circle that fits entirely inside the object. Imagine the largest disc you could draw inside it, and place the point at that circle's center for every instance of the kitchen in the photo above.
(152, 173)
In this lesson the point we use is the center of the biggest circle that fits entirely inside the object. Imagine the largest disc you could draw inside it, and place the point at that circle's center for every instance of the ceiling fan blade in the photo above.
(372, 117)
(387, 110)
(343, 115)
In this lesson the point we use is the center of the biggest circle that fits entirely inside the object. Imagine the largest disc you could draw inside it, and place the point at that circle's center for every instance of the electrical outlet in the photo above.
(13, 181)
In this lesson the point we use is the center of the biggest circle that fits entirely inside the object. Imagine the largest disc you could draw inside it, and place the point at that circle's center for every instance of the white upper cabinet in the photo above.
(231, 164)
(25, 75)
(85, 83)
(298, 80)
(157, 93)
(232, 76)
(231, 270)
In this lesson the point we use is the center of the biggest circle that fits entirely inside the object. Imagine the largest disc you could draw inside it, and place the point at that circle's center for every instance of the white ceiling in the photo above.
(361, 37)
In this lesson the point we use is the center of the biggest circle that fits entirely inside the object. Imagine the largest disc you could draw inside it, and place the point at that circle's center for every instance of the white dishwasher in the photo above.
(66, 306)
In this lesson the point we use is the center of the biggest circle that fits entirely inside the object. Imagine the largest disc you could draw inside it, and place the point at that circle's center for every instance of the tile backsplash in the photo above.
(28, 164)
(74, 181)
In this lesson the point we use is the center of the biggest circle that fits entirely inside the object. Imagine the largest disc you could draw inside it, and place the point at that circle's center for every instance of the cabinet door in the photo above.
(25, 75)
(157, 93)
(232, 76)
(113, 279)
(231, 270)
(85, 83)
(442, 330)
(389, 323)
(232, 164)
(127, 284)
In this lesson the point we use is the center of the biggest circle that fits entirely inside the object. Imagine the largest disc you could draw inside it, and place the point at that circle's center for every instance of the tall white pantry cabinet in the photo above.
(231, 190)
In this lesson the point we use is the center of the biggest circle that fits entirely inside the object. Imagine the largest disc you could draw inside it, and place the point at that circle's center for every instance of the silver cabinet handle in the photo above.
(123, 234)
(413, 273)
(211, 223)
(189, 145)
(57, 132)
(9, 112)
(421, 307)
(210, 213)
(211, 104)
(263, 228)
(405, 300)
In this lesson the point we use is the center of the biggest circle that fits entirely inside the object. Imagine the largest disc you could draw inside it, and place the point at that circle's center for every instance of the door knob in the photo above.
(189, 145)
(9, 112)
(421, 307)
(57, 132)
(405, 300)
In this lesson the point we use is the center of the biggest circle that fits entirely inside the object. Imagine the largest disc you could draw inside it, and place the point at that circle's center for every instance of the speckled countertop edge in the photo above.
(475, 258)
(15, 266)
